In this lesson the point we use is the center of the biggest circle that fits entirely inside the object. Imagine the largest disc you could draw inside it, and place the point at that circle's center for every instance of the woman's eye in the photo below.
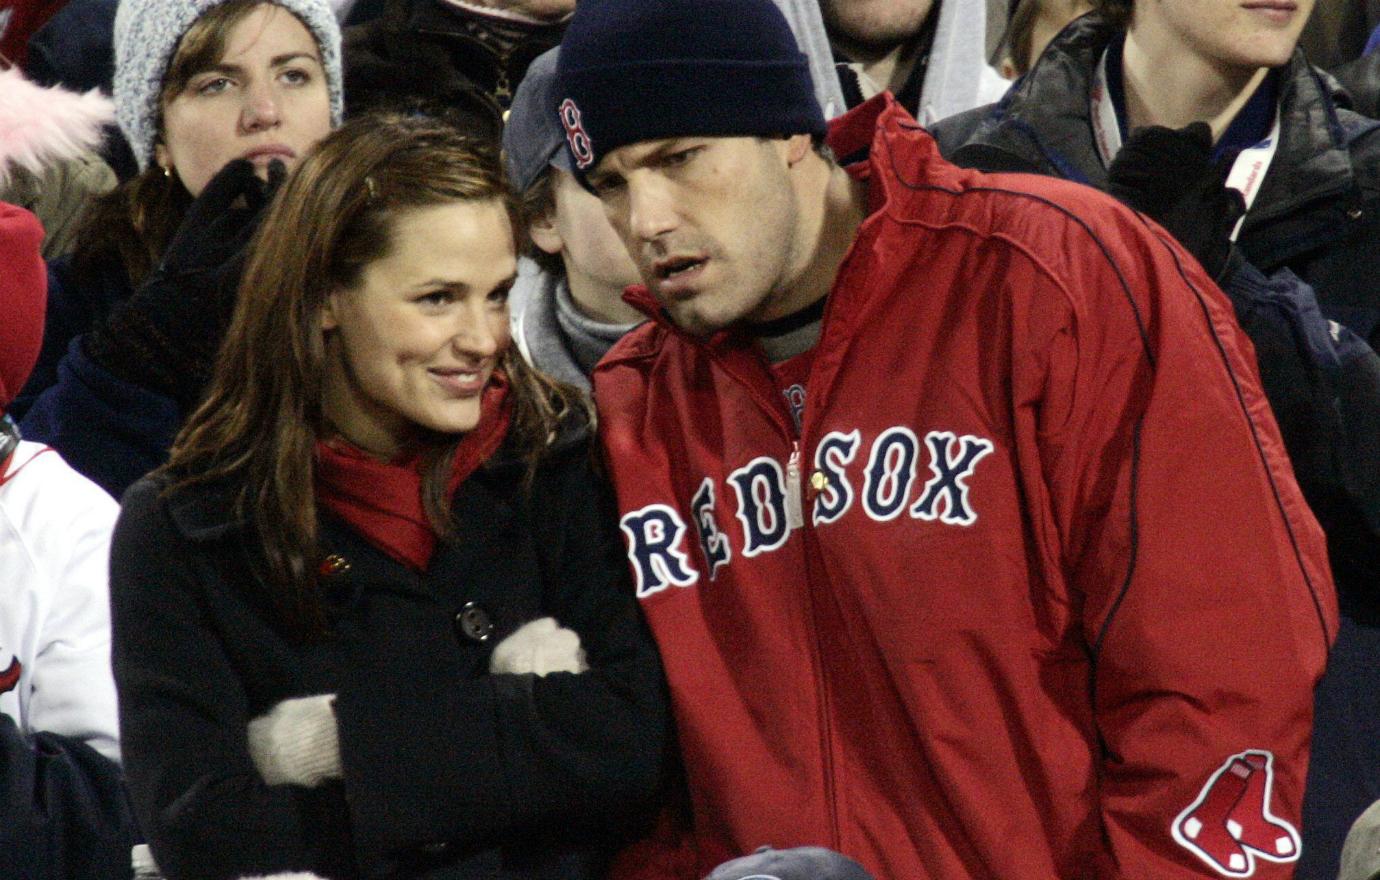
(500, 296)
(435, 298)
(296, 77)
(213, 86)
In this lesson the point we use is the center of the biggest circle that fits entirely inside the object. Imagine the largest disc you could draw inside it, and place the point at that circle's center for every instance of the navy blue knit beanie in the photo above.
(639, 70)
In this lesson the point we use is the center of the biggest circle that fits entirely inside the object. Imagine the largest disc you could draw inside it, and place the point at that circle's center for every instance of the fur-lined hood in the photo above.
(40, 127)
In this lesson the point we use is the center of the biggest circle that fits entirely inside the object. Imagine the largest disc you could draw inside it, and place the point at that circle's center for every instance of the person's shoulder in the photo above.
(191, 512)
(642, 343)
(1025, 210)
(954, 131)
(43, 491)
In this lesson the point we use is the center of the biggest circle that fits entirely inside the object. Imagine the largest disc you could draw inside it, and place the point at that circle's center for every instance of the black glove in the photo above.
(1169, 175)
(166, 335)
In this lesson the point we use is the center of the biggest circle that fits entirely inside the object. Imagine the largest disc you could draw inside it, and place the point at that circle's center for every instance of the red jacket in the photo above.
(1051, 604)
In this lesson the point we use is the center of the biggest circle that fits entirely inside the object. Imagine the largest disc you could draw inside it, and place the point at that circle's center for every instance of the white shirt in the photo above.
(55, 528)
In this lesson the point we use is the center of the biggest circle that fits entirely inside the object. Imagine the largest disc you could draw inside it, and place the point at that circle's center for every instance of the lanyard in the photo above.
(1247, 172)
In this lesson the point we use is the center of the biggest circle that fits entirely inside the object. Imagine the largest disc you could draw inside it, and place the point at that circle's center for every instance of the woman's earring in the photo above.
(167, 171)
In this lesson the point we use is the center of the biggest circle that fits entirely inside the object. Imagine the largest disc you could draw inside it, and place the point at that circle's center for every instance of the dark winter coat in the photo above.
(1311, 245)
(66, 812)
(110, 431)
(428, 56)
(77, 302)
(1361, 79)
(449, 772)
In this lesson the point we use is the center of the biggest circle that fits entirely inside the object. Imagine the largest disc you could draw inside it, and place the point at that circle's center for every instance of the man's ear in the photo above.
(798, 146)
(544, 233)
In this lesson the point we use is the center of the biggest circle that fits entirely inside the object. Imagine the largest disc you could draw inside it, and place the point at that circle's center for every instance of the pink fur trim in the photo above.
(40, 127)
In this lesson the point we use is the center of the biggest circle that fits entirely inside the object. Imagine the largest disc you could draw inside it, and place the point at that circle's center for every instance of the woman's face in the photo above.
(265, 99)
(414, 343)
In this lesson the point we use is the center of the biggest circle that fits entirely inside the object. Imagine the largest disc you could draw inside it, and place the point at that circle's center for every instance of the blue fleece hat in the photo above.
(640, 70)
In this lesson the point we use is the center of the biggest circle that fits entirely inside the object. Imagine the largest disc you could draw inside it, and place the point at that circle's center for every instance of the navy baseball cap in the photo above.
(800, 863)
(533, 138)
(642, 70)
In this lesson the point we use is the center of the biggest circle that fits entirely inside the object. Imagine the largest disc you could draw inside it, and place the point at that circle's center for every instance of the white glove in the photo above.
(539, 647)
(296, 743)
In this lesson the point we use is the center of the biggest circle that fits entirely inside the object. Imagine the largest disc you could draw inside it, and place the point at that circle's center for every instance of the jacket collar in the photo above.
(206, 511)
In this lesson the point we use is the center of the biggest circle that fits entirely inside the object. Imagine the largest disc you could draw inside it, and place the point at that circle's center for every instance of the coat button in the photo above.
(435, 849)
(1355, 214)
(473, 623)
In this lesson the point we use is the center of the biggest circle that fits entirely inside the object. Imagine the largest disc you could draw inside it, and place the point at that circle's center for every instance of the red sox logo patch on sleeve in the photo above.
(576, 135)
(10, 676)
(1230, 825)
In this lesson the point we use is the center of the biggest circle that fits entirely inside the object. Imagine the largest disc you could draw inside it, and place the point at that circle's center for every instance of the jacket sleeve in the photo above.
(184, 717)
(72, 693)
(111, 431)
(504, 756)
(66, 814)
(1206, 601)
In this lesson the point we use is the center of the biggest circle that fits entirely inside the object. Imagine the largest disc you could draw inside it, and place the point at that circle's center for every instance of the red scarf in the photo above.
(383, 500)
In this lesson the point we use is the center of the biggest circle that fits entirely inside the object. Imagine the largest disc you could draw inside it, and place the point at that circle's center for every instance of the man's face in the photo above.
(710, 222)
(878, 25)
(585, 239)
(1248, 34)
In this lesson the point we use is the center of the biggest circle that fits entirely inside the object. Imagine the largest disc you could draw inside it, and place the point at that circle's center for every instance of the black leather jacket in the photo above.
(427, 56)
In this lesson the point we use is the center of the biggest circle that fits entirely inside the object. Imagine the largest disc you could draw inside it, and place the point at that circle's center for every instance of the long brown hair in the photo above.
(262, 416)
(133, 223)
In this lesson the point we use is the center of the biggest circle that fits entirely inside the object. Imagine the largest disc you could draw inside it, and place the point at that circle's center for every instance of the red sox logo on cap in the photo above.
(576, 135)
(1230, 824)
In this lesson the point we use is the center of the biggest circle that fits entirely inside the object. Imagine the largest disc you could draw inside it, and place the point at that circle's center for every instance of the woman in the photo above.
(199, 86)
(315, 600)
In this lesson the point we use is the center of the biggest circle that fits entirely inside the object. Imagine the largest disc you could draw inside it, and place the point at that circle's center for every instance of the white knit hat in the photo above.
(146, 36)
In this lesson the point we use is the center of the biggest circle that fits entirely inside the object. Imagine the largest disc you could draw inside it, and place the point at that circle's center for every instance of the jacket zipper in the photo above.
(796, 518)
(795, 514)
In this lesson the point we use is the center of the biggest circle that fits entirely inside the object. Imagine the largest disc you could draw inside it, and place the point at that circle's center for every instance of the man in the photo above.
(930, 53)
(1300, 269)
(567, 307)
(952, 500)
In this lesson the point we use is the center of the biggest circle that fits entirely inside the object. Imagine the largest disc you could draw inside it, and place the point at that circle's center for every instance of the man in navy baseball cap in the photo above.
(952, 499)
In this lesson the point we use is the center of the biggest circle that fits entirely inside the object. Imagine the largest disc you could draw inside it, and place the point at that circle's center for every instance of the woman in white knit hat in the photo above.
(202, 87)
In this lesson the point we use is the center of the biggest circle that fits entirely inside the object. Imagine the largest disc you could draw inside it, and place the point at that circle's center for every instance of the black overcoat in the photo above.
(448, 771)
